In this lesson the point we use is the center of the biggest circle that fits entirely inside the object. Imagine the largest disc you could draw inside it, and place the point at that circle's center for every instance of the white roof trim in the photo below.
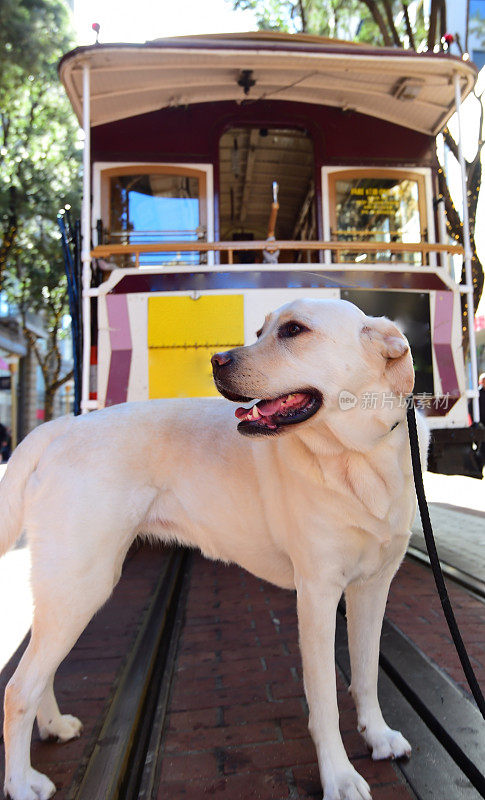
(128, 80)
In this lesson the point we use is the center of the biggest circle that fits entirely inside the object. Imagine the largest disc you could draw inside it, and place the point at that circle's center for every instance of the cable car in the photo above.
(227, 174)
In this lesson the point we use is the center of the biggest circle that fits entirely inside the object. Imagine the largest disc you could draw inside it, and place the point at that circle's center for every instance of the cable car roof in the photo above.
(400, 86)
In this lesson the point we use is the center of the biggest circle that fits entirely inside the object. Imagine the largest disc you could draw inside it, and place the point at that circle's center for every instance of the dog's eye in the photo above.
(258, 333)
(290, 329)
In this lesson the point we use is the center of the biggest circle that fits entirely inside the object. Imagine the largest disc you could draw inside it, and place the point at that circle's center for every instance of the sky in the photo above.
(123, 21)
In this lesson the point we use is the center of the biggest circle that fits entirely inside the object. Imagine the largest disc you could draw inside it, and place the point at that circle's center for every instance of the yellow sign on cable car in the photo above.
(183, 334)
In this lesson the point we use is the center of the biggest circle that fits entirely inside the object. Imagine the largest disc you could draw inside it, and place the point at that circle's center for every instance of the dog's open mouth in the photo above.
(268, 416)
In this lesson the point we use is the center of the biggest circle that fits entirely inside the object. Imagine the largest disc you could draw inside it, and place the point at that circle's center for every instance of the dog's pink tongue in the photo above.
(265, 408)
(269, 407)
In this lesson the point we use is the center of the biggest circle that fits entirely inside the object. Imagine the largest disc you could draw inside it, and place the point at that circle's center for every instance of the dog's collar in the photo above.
(383, 435)
(409, 402)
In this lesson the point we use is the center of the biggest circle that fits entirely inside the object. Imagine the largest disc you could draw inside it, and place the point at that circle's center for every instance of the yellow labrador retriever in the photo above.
(317, 495)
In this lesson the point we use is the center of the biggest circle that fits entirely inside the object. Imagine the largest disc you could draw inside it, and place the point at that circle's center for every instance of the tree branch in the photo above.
(473, 184)
(450, 142)
(301, 8)
(433, 13)
(455, 228)
(474, 173)
(5, 128)
(442, 18)
(390, 22)
(458, 43)
(55, 386)
(409, 30)
(454, 224)
(474, 180)
(482, 115)
(379, 20)
(32, 339)
(7, 244)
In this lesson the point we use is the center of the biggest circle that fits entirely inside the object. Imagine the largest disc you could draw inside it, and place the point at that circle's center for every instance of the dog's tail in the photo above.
(21, 465)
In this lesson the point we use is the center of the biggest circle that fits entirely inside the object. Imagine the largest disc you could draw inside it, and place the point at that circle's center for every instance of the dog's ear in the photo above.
(386, 340)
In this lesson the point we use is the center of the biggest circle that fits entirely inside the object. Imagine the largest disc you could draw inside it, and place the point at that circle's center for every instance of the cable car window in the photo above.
(378, 208)
(156, 206)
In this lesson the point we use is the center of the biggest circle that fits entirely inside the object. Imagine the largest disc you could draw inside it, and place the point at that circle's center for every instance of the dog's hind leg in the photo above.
(50, 721)
(61, 614)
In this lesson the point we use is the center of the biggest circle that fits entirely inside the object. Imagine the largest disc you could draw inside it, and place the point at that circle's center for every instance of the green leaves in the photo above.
(40, 158)
(377, 22)
(33, 36)
(39, 140)
(334, 18)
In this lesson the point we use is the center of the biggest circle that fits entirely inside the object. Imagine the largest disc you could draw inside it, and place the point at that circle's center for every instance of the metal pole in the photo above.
(440, 210)
(86, 239)
(468, 261)
(14, 365)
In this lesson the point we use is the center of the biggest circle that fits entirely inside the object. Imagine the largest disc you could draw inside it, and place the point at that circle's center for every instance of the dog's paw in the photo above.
(64, 728)
(347, 785)
(32, 786)
(386, 743)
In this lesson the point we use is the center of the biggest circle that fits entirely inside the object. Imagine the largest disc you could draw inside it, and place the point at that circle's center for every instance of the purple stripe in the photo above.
(121, 349)
(119, 375)
(443, 317)
(119, 322)
(443, 324)
(435, 407)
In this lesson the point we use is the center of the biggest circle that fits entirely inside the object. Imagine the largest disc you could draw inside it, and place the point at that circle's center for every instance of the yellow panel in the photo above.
(181, 372)
(212, 320)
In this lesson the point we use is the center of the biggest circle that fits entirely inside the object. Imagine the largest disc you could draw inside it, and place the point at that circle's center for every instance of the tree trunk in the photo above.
(7, 244)
(433, 14)
(301, 8)
(455, 225)
(49, 396)
(409, 30)
(379, 20)
(390, 21)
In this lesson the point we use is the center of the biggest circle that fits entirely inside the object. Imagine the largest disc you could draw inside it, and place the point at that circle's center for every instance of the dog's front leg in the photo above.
(317, 606)
(365, 610)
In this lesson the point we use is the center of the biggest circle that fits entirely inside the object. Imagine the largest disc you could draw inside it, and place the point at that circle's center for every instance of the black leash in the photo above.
(435, 564)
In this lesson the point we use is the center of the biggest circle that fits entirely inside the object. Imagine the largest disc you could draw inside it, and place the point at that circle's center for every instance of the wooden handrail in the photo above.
(106, 250)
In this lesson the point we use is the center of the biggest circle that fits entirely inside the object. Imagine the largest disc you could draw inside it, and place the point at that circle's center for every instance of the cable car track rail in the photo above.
(118, 762)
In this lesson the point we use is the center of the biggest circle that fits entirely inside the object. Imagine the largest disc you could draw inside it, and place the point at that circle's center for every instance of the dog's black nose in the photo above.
(221, 359)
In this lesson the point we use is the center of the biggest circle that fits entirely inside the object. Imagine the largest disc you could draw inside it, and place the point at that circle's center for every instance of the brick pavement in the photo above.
(87, 678)
(237, 726)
